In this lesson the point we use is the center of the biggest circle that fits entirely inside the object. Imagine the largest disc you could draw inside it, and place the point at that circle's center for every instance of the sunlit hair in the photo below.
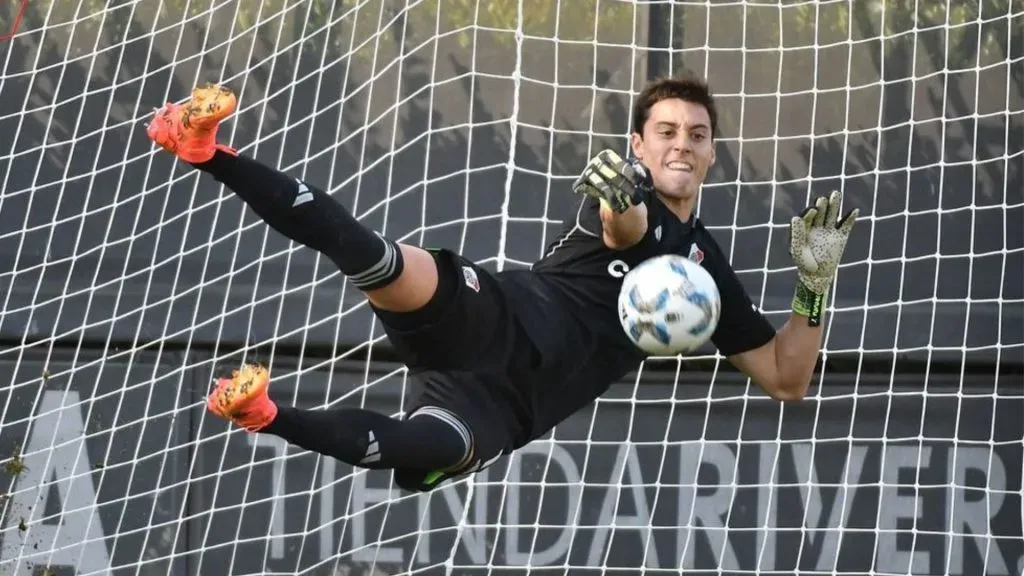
(686, 88)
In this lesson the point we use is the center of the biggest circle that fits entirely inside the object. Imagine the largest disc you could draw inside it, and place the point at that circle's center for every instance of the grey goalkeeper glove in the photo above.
(816, 243)
(617, 183)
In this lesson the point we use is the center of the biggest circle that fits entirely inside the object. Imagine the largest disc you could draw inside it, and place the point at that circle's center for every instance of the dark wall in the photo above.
(138, 474)
(435, 140)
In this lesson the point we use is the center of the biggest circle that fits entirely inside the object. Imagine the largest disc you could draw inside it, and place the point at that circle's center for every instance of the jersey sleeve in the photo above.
(741, 326)
(588, 217)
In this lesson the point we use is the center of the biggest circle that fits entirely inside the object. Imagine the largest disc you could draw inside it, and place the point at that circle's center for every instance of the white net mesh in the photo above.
(128, 281)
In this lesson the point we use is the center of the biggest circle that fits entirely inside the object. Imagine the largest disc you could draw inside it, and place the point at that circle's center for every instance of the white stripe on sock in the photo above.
(379, 271)
(450, 419)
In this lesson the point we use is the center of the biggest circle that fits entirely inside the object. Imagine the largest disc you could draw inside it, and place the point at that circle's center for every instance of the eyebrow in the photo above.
(676, 125)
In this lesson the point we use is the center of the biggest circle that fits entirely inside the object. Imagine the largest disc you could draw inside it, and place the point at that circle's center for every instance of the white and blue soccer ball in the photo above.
(669, 305)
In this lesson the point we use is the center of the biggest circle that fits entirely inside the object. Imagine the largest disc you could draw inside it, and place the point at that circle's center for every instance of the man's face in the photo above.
(676, 146)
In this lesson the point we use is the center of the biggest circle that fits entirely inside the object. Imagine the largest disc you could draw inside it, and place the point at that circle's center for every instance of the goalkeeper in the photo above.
(499, 359)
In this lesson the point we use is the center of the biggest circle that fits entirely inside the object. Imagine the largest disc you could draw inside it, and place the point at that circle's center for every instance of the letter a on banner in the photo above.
(55, 457)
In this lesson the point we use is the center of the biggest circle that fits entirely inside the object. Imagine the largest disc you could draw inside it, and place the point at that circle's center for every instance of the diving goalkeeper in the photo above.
(499, 359)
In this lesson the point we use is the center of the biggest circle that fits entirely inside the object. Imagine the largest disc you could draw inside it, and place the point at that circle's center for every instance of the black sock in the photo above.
(311, 217)
(432, 439)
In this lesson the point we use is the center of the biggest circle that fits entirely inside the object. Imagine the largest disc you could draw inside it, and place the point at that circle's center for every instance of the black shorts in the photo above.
(467, 361)
(474, 332)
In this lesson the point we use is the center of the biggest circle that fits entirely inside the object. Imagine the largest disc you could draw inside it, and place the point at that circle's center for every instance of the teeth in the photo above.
(680, 166)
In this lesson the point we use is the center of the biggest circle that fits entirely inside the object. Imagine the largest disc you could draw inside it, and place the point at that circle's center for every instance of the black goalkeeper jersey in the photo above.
(567, 304)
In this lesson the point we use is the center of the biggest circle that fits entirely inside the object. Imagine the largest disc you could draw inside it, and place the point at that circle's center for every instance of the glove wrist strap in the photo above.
(808, 303)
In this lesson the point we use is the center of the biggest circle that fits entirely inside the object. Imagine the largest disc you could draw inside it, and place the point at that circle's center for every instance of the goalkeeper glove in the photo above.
(617, 183)
(816, 243)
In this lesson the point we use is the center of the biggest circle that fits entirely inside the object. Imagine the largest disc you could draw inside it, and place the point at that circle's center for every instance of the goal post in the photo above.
(128, 282)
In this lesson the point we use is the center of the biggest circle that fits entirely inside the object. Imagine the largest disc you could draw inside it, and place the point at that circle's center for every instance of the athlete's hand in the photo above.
(617, 183)
(817, 239)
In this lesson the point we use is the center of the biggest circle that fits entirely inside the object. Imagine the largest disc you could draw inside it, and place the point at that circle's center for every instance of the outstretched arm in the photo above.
(783, 367)
(620, 186)
(620, 231)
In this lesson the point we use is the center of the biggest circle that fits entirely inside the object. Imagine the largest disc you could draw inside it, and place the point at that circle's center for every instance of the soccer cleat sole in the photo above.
(233, 395)
(208, 106)
(189, 130)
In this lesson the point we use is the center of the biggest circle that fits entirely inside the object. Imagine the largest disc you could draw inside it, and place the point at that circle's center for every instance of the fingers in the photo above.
(641, 177)
(609, 157)
(798, 231)
(608, 165)
(607, 176)
(618, 173)
(809, 216)
(797, 228)
(846, 224)
(610, 182)
(821, 207)
(833, 206)
(626, 169)
(588, 178)
(826, 211)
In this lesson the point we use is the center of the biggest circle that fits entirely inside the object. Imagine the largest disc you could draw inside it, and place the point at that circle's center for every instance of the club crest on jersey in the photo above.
(469, 275)
(696, 254)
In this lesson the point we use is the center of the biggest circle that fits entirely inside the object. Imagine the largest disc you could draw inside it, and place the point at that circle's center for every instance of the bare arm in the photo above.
(620, 231)
(784, 366)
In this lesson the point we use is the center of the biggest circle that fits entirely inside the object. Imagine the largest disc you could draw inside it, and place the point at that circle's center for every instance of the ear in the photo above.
(713, 155)
(636, 142)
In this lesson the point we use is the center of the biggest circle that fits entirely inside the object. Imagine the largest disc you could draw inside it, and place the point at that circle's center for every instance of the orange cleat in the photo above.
(189, 130)
(243, 398)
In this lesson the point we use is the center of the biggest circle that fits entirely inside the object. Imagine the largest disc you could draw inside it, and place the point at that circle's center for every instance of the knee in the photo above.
(414, 284)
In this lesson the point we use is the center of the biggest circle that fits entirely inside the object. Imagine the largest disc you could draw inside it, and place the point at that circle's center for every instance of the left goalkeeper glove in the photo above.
(816, 243)
(619, 184)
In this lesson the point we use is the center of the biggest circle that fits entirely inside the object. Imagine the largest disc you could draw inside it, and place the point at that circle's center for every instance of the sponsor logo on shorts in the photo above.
(469, 275)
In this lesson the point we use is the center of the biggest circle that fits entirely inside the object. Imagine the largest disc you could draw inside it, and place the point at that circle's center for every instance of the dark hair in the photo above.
(687, 88)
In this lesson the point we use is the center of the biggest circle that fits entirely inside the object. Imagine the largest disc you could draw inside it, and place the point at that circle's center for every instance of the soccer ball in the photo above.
(669, 305)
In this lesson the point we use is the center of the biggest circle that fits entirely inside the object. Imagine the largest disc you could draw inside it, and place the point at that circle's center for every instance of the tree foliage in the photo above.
(985, 26)
(971, 28)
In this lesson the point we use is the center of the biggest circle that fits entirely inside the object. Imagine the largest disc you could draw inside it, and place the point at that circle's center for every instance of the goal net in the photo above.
(129, 281)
